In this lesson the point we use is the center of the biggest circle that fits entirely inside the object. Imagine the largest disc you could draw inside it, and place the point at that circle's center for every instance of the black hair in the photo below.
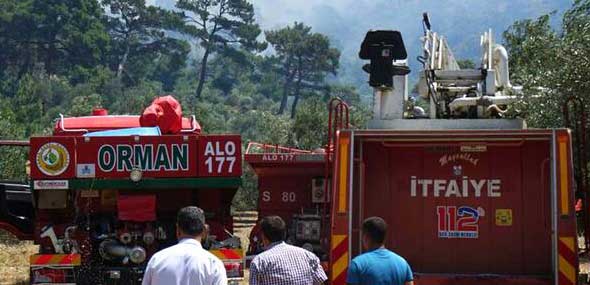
(191, 220)
(375, 228)
(273, 228)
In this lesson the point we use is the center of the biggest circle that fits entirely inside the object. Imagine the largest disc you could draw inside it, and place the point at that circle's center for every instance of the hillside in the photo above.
(346, 22)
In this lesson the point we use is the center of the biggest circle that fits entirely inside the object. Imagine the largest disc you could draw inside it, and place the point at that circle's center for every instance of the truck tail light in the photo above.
(48, 275)
(234, 269)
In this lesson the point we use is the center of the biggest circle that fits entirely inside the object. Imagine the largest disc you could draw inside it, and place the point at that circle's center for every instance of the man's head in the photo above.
(374, 230)
(273, 229)
(190, 222)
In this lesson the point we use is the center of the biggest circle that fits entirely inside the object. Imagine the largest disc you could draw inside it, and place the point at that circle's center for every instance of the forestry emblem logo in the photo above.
(53, 159)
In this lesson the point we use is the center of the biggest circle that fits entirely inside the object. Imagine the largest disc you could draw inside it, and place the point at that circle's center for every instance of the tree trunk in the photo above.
(123, 62)
(286, 87)
(51, 55)
(296, 99)
(285, 97)
(203, 72)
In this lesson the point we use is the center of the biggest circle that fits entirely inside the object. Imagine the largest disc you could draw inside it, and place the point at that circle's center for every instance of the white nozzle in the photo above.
(48, 231)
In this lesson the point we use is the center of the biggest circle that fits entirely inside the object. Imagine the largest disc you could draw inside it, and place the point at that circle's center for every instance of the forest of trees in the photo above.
(69, 56)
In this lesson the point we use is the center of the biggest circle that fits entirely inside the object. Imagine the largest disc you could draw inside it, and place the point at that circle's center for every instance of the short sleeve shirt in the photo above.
(186, 263)
(379, 267)
(283, 264)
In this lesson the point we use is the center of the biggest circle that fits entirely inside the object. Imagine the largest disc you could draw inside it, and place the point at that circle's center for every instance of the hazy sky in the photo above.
(343, 19)
(347, 21)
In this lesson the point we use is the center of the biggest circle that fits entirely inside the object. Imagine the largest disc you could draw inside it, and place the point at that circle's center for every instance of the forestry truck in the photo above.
(470, 196)
(105, 191)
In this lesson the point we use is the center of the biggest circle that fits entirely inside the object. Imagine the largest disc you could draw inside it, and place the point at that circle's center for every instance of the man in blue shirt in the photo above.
(378, 265)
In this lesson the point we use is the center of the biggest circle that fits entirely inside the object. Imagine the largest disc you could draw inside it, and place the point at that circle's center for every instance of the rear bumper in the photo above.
(469, 279)
(59, 272)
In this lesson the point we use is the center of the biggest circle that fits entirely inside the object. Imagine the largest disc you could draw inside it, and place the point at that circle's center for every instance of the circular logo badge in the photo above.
(53, 159)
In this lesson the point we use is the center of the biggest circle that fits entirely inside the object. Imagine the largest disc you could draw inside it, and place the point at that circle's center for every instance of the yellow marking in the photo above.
(340, 265)
(563, 176)
(108, 198)
(343, 175)
(77, 260)
(503, 217)
(474, 148)
(221, 254)
(336, 240)
(567, 269)
(56, 259)
(569, 242)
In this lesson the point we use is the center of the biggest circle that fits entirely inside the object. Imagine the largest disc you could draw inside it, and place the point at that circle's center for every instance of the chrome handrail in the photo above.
(193, 125)
(63, 127)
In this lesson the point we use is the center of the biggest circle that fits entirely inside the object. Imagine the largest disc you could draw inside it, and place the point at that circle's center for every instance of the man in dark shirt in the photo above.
(378, 265)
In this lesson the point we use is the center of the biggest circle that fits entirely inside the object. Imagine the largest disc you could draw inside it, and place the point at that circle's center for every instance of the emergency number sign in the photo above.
(220, 156)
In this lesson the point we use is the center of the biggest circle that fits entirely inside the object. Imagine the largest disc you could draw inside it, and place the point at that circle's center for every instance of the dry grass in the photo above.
(14, 259)
(244, 235)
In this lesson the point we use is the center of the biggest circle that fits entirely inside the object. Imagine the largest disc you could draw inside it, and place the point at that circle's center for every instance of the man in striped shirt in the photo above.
(283, 264)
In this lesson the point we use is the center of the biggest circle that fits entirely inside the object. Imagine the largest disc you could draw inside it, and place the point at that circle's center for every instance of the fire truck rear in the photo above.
(470, 196)
(105, 193)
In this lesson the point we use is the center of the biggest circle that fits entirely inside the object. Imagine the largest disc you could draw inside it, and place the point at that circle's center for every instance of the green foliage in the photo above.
(553, 66)
(83, 105)
(466, 64)
(304, 59)
(219, 26)
(141, 44)
(531, 44)
(12, 160)
(69, 57)
(310, 126)
(550, 64)
(63, 36)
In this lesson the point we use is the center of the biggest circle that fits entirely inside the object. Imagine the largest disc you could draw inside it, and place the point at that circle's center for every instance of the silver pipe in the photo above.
(193, 125)
(111, 249)
(63, 127)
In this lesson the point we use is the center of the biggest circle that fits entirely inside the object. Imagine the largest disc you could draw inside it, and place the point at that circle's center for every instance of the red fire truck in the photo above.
(470, 197)
(105, 196)
(464, 207)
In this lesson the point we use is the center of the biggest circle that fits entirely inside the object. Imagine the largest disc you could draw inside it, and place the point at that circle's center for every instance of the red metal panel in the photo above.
(52, 158)
(537, 209)
(284, 195)
(285, 158)
(136, 208)
(157, 156)
(220, 155)
(479, 280)
(115, 157)
(285, 184)
(447, 199)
